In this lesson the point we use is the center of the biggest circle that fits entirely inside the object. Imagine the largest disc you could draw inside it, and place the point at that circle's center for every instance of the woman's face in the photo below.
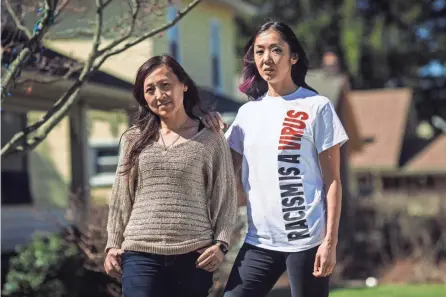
(163, 92)
(273, 57)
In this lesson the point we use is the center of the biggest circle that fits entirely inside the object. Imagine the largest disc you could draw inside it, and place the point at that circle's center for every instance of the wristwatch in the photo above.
(222, 247)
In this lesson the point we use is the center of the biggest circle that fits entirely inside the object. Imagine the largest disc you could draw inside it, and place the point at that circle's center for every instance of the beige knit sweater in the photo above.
(183, 199)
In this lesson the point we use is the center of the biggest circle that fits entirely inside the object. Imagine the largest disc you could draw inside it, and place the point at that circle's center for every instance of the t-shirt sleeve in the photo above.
(328, 129)
(235, 136)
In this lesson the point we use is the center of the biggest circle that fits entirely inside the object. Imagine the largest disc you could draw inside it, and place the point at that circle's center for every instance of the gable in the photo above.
(431, 159)
(382, 118)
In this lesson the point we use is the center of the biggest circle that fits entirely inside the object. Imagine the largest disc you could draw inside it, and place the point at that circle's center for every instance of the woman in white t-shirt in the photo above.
(285, 147)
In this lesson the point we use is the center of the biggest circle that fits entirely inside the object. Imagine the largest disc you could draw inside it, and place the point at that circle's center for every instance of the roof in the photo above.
(328, 85)
(382, 117)
(123, 65)
(221, 103)
(432, 159)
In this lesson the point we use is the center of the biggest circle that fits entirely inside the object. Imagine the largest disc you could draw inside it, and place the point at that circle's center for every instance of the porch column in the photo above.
(80, 184)
(130, 116)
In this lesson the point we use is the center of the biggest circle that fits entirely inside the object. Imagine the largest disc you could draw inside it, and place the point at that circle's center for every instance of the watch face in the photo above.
(223, 248)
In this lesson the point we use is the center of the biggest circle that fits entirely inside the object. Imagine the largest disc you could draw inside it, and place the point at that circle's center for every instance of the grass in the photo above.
(393, 291)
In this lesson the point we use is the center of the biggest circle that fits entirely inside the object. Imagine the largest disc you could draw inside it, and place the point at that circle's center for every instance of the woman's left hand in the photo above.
(214, 121)
(210, 258)
(325, 261)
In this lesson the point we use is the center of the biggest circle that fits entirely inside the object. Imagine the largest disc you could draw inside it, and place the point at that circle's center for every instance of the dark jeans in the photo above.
(150, 275)
(256, 270)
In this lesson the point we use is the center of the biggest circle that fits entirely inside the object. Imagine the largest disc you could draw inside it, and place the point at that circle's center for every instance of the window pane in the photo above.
(215, 32)
(107, 159)
(215, 72)
(173, 47)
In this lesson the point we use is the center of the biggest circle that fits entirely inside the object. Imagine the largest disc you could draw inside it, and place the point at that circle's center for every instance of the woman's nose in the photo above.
(267, 57)
(158, 94)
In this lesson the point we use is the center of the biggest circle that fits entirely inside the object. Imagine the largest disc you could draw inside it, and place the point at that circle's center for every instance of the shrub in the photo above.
(68, 264)
(48, 266)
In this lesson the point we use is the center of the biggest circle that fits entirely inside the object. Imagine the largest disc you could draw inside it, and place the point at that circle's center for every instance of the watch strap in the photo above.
(222, 247)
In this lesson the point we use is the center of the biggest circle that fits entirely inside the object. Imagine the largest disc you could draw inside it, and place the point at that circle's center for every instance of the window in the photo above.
(215, 55)
(392, 183)
(105, 157)
(365, 184)
(173, 36)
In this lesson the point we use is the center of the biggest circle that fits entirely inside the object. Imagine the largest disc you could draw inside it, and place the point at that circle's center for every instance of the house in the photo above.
(394, 159)
(426, 171)
(330, 82)
(80, 154)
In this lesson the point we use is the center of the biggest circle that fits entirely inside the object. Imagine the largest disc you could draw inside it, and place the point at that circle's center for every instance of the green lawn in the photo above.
(393, 291)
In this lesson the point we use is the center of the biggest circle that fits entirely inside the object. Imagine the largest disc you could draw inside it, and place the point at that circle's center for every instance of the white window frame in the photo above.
(104, 179)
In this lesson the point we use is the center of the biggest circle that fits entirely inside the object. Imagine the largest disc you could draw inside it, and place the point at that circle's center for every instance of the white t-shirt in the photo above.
(280, 139)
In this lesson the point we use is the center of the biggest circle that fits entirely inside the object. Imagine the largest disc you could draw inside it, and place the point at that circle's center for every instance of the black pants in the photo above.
(256, 270)
(150, 275)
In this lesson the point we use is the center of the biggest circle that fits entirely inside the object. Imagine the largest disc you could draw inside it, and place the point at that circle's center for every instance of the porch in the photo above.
(22, 213)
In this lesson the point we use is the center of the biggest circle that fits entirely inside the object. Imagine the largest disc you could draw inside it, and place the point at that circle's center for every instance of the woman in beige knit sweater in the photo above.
(173, 203)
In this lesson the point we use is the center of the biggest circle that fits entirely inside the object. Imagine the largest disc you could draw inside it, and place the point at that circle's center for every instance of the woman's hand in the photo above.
(325, 261)
(214, 121)
(112, 263)
(210, 258)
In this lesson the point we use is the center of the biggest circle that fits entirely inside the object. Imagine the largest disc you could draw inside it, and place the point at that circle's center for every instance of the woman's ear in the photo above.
(294, 58)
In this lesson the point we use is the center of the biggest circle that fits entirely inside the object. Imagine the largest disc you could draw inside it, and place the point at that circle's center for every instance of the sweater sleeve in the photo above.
(121, 200)
(223, 206)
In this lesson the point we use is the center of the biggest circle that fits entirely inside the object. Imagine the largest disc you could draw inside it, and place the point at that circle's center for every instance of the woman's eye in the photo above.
(150, 90)
(277, 50)
(259, 52)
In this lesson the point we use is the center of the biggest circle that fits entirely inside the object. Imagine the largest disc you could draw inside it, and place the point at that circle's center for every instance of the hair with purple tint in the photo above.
(253, 85)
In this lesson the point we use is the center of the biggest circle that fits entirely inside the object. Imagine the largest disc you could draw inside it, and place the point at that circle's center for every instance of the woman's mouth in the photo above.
(163, 103)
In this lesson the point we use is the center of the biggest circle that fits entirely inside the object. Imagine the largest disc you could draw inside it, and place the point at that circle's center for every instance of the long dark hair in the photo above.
(146, 122)
(253, 85)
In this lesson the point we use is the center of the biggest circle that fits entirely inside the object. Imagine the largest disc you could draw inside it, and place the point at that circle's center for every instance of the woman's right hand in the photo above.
(112, 263)
(214, 121)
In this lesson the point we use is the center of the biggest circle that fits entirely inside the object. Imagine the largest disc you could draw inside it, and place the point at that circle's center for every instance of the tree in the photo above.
(23, 45)
(380, 43)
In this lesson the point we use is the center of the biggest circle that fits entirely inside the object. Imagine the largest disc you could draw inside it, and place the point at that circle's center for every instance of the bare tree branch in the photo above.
(41, 28)
(106, 3)
(66, 76)
(71, 34)
(135, 7)
(179, 16)
(20, 142)
(16, 19)
(99, 22)
(61, 7)
(33, 135)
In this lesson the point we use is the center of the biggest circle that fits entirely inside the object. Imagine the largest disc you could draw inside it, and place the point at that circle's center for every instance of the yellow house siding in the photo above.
(194, 44)
(159, 46)
(49, 165)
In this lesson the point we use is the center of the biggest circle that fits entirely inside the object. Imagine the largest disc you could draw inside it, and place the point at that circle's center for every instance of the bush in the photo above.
(48, 266)
(68, 264)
